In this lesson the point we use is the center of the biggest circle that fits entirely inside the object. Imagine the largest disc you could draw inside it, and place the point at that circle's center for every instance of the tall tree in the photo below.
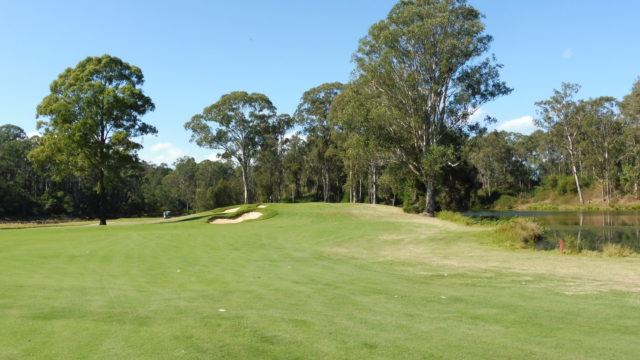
(94, 113)
(313, 114)
(15, 172)
(269, 164)
(425, 61)
(559, 116)
(358, 135)
(603, 135)
(239, 119)
(630, 109)
(215, 185)
(293, 164)
(182, 182)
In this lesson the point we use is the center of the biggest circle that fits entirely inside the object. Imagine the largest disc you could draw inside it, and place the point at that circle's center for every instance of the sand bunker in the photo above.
(248, 216)
(262, 206)
(229, 211)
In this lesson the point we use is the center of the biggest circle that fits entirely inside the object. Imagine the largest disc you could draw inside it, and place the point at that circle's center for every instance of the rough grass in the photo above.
(317, 281)
(455, 217)
(519, 233)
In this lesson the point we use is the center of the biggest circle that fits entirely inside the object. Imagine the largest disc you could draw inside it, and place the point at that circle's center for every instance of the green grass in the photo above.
(315, 281)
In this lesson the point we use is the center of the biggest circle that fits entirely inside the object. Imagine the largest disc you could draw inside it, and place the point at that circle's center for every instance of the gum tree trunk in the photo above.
(102, 201)
(430, 205)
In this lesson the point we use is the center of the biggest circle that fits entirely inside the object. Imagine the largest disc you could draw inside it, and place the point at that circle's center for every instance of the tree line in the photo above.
(398, 133)
(582, 143)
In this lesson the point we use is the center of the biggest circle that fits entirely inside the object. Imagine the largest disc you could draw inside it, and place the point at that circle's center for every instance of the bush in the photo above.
(455, 217)
(413, 208)
(616, 250)
(520, 233)
(505, 202)
(559, 185)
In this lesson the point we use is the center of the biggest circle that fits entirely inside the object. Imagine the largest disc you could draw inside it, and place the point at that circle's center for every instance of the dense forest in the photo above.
(399, 133)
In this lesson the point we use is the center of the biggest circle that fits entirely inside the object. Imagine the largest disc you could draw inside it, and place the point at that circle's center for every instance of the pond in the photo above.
(580, 230)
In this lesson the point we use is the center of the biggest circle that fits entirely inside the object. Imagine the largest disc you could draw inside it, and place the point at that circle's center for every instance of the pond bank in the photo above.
(615, 231)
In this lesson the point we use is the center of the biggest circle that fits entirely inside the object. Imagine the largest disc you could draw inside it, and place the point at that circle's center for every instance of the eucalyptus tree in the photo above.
(293, 163)
(630, 110)
(269, 165)
(216, 185)
(560, 116)
(313, 114)
(94, 114)
(358, 136)
(239, 120)
(603, 139)
(181, 183)
(15, 172)
(426, 62)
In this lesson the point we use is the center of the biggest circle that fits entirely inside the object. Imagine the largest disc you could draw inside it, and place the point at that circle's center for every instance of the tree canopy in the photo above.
(425, 61)
(93, 116)
(240, 121)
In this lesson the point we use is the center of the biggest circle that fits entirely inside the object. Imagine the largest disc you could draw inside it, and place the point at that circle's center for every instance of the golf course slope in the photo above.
(309, 281)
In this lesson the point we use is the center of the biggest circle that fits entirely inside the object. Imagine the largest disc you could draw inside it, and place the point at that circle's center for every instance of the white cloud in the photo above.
(33, 133)
(162, 146)
(164, 152)
(213, 156)
(477, 116)
(523, 125)
(290, 134)
(567, 53)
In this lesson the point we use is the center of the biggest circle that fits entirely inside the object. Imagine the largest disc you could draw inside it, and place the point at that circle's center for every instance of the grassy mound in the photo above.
(267, 212)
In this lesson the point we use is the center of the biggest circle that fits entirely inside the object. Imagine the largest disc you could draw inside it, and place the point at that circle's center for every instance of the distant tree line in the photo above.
(583, 143)
(398, 134)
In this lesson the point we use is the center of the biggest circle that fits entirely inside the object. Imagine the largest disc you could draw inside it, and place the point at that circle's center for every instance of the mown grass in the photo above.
(317, 281)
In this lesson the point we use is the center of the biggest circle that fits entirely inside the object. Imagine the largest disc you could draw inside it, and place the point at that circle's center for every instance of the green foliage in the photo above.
(455, 217)
(519, 233)
(501, 162)
(505, 202)
(93, 116)
(424, 63)
(241, 121)
(617, 250)
(413, 207)
(312, 114)
(557, 185)
(546, 207)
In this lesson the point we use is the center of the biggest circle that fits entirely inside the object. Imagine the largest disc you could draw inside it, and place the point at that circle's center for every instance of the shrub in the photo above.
(454, 217)
(546, 207)
(413, 208)
(521, 233)
(616, 250)
(505, 202)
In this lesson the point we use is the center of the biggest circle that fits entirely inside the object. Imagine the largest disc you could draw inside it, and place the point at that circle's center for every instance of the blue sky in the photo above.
(192, 52)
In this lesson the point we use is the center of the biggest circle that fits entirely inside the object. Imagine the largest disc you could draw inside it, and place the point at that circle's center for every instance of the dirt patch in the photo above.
(247, 216)
(229, 211)
(262, 206)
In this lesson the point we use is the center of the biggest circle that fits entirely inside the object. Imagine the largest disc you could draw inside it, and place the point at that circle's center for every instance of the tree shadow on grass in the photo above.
(187, 219)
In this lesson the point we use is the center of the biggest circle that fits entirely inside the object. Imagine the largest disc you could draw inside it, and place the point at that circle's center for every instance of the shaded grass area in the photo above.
(43, 224)
(329, 281)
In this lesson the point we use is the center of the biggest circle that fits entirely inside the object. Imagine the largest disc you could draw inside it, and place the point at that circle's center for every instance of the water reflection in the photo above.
(582, 230)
